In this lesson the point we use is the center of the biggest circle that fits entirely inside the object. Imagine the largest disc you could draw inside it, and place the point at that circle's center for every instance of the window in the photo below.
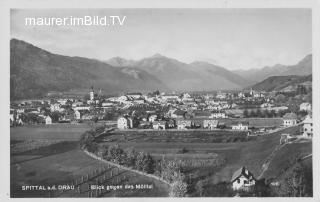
(238, 181)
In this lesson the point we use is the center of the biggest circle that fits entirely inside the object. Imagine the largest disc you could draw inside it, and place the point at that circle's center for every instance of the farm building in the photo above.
(243, 125)
(218, 115)
(152, 118)
(183, 124)
(307, 127)
(242, 179)
(48, 120)
(305, 106)
(210, 123)
(124, 123)
(159, 125)
(289, 119)
(285, 138)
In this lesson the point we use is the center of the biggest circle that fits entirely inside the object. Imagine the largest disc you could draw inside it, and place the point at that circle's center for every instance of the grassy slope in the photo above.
(61, 162)
(285, 157)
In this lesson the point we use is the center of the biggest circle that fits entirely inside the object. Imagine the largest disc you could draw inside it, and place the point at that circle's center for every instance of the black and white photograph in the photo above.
(176, 102)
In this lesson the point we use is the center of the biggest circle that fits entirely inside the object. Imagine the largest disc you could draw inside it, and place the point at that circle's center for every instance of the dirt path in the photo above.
(267, 162)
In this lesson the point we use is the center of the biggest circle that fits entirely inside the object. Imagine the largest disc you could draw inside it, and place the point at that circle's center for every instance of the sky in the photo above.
(232, 38)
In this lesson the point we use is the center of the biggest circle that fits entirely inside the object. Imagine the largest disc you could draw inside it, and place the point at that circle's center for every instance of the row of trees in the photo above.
(169, 171)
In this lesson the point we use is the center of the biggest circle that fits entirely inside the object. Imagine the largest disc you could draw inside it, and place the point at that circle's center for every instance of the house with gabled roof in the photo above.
(242, 179)
(290, 119)
(241, 125)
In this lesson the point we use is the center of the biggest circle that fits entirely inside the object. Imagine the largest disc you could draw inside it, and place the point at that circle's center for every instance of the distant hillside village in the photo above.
(248, 110)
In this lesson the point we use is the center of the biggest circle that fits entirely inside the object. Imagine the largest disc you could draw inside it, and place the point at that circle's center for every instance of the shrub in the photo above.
(178, 189)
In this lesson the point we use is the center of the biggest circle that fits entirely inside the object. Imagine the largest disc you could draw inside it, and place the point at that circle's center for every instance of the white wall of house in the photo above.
(240, 127)
(242, 182)
(48, 120)
(289, 122)
(123, 123)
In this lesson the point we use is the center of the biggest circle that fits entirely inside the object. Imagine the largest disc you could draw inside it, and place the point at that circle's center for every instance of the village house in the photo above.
(243, 125)
(171, 123)
(183, 124)
(139, 101)
(152, 118)
(124, 123)
(48, 120)
(107, 104)
(221, 95)
(218, 115)
(285, 138)
(242, 179)
(305, 106)
(55, 107)
(134, 95)
(178, 114)
(307, 127)
(201, 114)
(159, 125)
(210, 124)
(170, 96)
(289, 119)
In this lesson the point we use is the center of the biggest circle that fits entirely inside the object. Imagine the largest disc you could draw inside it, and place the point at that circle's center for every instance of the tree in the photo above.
(252, 113)
(245, 113)
(145, 163)
(139, 161)
(178, 189)
(200, 187)
(131, 155)
(258, 113)
(297, 181)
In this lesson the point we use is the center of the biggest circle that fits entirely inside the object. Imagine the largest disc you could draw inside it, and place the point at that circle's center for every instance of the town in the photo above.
(240, 111)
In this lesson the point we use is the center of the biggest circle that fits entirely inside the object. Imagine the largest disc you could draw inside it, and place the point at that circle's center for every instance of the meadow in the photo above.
(50, 155)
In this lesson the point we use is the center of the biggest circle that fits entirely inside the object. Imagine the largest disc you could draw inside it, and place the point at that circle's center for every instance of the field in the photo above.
(286, 156)
(251, 153)
(65, 132)
(42, 155)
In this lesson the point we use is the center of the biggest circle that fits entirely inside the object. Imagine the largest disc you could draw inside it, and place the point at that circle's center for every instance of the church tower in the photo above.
(92, 93)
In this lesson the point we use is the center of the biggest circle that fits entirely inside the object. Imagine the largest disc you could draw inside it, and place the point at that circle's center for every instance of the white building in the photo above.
(289, 119)
(183, 124)
(159, 125)
(210, 124)
(55, 107)
(305, 106)
(123, 123)
(240, 126)
(242, 179)
(91, 94)
(218, 115)
(152, 118)
(307, 127)
(48, 120)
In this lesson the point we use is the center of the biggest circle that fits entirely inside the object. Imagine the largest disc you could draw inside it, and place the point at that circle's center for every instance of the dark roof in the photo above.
(290, 116)
(241, 171)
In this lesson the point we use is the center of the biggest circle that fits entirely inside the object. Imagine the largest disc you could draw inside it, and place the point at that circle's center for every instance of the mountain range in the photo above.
(34, 72)
(283, 83)
(302, 68)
